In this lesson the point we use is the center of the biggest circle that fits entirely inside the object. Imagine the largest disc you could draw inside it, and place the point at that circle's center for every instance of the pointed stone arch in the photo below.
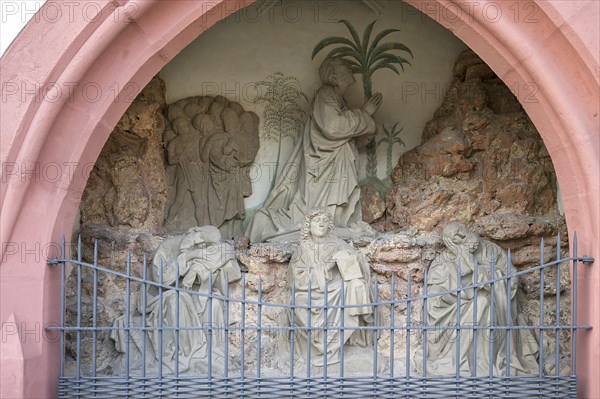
(66, 83)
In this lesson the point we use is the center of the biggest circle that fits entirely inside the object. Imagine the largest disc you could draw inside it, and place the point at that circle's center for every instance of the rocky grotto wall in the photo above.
(481, 162)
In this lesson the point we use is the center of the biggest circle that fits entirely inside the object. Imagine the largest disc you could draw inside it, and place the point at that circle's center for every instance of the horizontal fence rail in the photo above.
(246, 355)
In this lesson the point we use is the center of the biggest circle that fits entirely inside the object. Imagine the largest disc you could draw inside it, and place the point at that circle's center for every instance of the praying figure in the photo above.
(455, 268)
(322, 170)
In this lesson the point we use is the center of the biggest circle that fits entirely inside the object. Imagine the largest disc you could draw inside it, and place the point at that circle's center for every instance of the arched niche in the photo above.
(120, 45)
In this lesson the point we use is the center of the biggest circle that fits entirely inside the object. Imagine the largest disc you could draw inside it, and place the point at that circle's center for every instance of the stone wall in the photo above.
(123, 209)
(126, 189)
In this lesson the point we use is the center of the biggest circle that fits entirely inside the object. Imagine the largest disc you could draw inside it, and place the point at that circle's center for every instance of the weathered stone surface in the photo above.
(126, 188)
(115, 247)
(122, 208)
(481, 163)
(373, 207)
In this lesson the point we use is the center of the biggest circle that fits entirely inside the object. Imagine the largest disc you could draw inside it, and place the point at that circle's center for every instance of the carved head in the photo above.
(336, 71)
(204, 124)
(458, 239)
(317, 223)
(183, 126)
(199, 237)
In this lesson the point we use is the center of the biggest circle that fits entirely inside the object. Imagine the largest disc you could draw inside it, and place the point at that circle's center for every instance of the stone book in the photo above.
(348, 265)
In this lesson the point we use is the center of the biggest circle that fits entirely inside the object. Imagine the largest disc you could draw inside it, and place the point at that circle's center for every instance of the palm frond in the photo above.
(383, 140)
(345, 52)
(352, 31)
(366, 38)
(385, 59)
(391, 67)
(363, 56)
(328, 41)
(384, 48)
(379, 38)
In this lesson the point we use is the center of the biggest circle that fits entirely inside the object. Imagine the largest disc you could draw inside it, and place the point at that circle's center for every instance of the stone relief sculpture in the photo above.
(463, 246)
(324, 262)
(211, 143)
(193, 258)
(284, 114)
(323, 168)
(366, 57)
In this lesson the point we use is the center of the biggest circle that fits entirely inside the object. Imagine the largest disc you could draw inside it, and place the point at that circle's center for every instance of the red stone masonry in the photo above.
(547, 50)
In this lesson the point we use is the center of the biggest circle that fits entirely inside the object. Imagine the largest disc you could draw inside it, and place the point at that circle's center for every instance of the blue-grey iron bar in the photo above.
(94, 309)
(292, 338)
(492, 316)
(475, 321)
(127, 318)
(574, 282)
(90, 383)
(342, 333)
(542, 288)
(226, 321)
(127, 314)
(160, 319)
(210, 331)
(308, 332)
(424, 320)
(458, 330)
(259, 328)
(78, 331)
(408, 322)
(298, 328)
(283, 305)
(144, 287)
(392, 322)
(63, 266)
(326, 338)
(177, 319)
(508, 314)
(243, 329)
(557, 333)
(375, 332)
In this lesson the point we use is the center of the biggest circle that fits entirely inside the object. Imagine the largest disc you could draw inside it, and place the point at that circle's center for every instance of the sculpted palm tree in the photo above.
(391, 137)
(366, 57)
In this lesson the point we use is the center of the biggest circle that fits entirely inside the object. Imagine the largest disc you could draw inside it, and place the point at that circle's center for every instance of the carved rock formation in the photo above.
(481, 163)
(126, 187)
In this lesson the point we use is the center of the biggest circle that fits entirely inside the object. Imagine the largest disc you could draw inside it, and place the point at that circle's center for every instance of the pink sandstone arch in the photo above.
(49, 143)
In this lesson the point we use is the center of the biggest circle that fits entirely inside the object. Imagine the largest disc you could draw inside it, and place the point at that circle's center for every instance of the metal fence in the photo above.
(240, 377)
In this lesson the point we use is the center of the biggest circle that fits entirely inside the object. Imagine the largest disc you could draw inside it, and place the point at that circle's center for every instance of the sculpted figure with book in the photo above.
(327, 271)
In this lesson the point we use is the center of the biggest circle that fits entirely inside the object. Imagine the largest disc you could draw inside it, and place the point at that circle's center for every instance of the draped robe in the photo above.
(443, 311)
(322, 170)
